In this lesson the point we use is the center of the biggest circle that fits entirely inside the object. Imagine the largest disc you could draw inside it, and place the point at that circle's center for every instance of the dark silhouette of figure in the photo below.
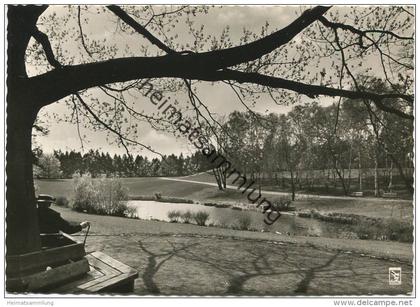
(50, 221)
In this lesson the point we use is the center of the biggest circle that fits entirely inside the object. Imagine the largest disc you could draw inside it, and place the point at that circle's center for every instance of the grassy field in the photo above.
(141, 186)
(186, 259)
(400, 210)
(317, 189)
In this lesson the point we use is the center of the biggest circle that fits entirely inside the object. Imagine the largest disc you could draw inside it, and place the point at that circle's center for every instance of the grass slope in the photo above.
(400, 210)
(181, 259)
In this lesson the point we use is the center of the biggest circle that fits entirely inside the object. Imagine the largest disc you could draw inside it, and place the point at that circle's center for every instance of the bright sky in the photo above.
(219, 98)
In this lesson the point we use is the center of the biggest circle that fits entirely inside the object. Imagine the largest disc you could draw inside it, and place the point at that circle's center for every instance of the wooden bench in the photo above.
(389, 195)
(62, 266)
(357, 194)
(61, 261)
(106, 275)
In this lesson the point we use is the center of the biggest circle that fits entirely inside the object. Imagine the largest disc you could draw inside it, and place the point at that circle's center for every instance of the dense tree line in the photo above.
(66, 164)
(341, 147)
(338, 147)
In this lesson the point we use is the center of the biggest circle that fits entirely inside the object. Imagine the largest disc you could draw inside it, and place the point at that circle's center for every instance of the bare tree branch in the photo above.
(76, 109)
(257, 118)
(139, 28)
(131, 85)
(42, 38)
(132, 111)
(82, 36)
(311, 90)
(337, 25)
(75, 78)
(120, 136)
(207, 66)
(164, 14)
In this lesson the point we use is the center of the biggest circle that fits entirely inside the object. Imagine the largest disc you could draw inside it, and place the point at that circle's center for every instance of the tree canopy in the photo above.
(320, 53)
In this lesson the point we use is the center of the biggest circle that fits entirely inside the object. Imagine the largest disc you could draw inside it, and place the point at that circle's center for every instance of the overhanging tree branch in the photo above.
(312, 90)
(362, 33)
(71, 79)
(82, 36)
(139, 28)
(207, 66)
(123, 139)
(220, 59)
(78, 77)
(42, 38)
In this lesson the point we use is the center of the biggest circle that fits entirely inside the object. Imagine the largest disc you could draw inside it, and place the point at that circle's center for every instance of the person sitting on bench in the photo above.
(50, 221)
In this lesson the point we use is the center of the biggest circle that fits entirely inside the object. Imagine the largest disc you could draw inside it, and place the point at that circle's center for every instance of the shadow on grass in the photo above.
(256, 264)
(213, 266)
(153, 265)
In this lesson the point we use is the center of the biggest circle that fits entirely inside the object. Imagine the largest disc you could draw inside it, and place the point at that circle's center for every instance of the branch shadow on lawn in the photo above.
(153, 265)
(231, 267)
(256, 264)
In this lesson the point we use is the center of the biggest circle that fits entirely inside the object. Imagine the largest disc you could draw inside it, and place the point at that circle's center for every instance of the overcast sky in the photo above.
(219, 98)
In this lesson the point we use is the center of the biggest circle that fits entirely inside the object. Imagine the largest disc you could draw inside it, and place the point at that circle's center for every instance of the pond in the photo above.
(227, 217)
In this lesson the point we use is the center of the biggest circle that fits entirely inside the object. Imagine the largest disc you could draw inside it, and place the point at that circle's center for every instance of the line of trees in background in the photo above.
(311, 148)
(65, 164)
(339, 148)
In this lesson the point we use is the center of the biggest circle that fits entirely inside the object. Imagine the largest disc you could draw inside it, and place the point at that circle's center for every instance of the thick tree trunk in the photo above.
(376, 176)
(349, 168)
(218, 179)
(360, 172)
(223, 176)
(292, 182)
(282, 180)
(340, 176)
(391, 170)
(407, 181)
(22, 234)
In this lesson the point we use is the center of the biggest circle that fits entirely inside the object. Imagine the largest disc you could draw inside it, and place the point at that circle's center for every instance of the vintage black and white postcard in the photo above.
(210, 150)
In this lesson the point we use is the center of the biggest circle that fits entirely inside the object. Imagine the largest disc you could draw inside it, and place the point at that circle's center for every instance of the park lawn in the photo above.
(146, 186)
(135, 186)
(318, 189)
(397, 209)
(186, 259)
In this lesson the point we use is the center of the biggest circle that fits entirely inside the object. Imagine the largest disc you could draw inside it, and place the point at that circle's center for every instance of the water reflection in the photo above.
(226, 217)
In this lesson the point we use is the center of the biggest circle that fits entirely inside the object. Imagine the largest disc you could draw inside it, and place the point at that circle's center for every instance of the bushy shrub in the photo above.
(131, 212)
(201, 218)
(174, 216)
(170, 199)
(399, 231)
(62, 201)
(392, 230)
(282, 204)
(112, 196)
(210, 204)
(142, 197)
(244, 221)
(224, 222)
(84, 194)
(105, 196)
(186, 217)
(304, 214)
